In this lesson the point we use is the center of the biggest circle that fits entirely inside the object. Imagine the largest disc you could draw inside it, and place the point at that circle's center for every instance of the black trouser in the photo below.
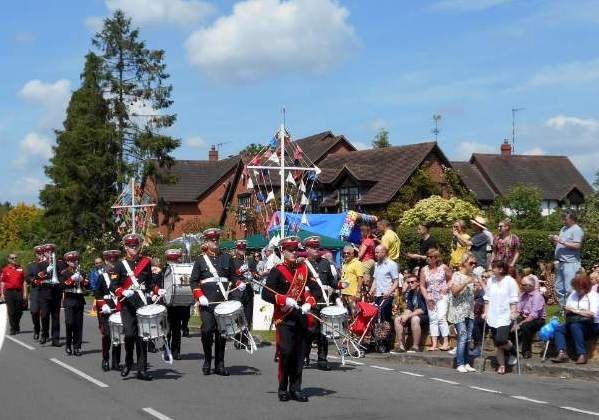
(73, 318)
(211, 335)
(104, 326)
(49, 298)
(34, 308)
(175, 315)
(132, 338)
(527, 332)
(14, 306)
(185, 319)
(291, 346)
(247, 300)
(322, 342)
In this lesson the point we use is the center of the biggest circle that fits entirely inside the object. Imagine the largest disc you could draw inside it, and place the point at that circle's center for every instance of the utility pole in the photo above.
(514, 111)
(436, 131)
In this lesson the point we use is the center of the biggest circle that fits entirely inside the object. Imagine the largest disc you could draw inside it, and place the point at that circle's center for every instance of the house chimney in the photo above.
(213, 154)
(506, 148)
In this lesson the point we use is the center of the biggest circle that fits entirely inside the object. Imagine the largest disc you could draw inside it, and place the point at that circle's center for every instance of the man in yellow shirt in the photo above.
(389, 239)
(352, 273)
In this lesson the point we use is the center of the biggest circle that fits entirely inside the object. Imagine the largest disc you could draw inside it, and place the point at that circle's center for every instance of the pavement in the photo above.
(43, 382)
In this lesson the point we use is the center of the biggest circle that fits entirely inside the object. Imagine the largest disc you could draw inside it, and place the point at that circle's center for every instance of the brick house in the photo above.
(493, 175)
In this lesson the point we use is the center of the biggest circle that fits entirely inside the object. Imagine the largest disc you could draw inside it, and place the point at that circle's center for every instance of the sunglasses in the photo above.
(500, 226)
(410, 282)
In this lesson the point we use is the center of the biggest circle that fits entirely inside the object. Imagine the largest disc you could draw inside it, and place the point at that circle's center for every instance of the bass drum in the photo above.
(176, 284)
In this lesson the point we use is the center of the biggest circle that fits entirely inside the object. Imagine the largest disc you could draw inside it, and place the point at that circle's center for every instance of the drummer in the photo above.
(246, 297)
(176, 314)
(106, 305)
(323, 288)
(211, 278)
(134, 279)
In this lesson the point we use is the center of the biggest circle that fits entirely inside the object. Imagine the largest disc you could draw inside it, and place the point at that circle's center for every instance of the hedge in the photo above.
(535, 246)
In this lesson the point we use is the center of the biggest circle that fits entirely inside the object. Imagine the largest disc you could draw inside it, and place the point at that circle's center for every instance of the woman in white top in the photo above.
(501, 298)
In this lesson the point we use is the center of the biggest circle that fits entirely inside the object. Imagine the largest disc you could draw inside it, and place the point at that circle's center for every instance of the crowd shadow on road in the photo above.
(244, 370)
(318, 392)
(192, 356)
(92, 351)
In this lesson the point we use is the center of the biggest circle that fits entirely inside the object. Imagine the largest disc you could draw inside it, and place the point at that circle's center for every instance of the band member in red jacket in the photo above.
(286, 289)
(13, 292)
(73, 284)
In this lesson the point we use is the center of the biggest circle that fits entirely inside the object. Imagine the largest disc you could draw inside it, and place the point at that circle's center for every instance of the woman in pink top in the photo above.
(433, 286)
(366, 253)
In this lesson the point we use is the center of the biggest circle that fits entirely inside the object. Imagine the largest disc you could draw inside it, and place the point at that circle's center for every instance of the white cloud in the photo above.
(264, 38)
(378, 124)
(34, 147)
(29, 185)
(466, 148)
(467, 5)
(536, 151)
(360, 145)
(577, 72)
(560, 122)
(195, 142)
(41, 93)
(177, 12)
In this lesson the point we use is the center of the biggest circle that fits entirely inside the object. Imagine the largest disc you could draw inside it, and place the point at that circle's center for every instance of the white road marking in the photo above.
(485, 389)
(354, 362)
(80, 373)
(411, 373)
(445, 381)
(520, 397)
(380, 367)
(156, 414)
(578, 410)
(19, 342)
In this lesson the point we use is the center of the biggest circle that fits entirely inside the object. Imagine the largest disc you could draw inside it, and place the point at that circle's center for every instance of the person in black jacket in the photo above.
(415, 317)
(211, 278)
(133, 269)
(73, 285)
(50, 293)
(106, 305)
(242, 269)
(34, 301)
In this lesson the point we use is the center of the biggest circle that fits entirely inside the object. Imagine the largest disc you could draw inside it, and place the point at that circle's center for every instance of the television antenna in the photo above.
(514, 111)
(436, 119)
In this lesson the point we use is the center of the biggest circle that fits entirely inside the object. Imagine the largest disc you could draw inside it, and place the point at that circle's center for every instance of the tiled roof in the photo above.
(195, 178)
(388, 168)
(555, 176)
(318, 145)
(474, 180)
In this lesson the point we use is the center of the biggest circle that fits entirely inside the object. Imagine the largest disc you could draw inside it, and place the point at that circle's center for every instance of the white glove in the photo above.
(243, 268)
(241, 286)
(290, 302)
(106, 309)
(76, 277)
(154, 298)
(161, 292)
(203, 301)
(142, 287)
(49, 269)
(128, 293)
(339, 303)
(107, 297)
(344, 284)
(306, 308)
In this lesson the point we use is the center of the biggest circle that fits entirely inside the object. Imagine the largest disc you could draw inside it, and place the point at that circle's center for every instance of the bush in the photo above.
(534, 248)
(439, 211)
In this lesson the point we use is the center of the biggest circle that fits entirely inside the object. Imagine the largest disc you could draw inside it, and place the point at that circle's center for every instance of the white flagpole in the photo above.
(133, 203)
(282, 136)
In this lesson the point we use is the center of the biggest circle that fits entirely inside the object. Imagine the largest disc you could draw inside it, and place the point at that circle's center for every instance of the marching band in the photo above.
(137, 303)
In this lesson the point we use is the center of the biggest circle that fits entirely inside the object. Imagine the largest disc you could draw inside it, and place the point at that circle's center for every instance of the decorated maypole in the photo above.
(133, 210)
(297, 177)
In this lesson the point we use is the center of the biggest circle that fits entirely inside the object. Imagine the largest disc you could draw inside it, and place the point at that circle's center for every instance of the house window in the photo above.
(348, 197)
(243, 205)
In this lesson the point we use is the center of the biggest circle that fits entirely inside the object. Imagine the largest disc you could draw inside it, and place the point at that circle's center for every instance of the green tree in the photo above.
(589, 214)
(83, 169)
(21, 227)
(381, 139)
(251, 150)
(456, 187)
(523, 203)
(4, 209)
(596, 182)
(138, 95)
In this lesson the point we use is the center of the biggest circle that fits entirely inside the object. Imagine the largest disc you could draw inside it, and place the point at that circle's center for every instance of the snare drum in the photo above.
(151, 322)
(230, 318)
(336, 320)
(176, 284)
(117, 333)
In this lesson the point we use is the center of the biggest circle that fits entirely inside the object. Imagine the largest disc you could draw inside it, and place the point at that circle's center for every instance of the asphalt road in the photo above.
(45, 383)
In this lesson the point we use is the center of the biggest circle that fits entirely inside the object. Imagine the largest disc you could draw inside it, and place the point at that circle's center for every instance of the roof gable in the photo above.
(317, 146)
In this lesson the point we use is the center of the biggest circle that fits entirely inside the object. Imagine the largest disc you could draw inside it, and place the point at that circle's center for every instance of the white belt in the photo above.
(73, 290)
(214, 280)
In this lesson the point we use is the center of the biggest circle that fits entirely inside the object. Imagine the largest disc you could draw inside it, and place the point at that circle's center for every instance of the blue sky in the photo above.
(350, 66)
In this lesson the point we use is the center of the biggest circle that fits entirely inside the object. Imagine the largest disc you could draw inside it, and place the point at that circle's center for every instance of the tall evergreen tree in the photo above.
(83, 168)
(136, 88)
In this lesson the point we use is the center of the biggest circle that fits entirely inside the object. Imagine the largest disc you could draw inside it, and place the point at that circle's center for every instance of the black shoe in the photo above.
(185, 332)
(526, 355)
(276, 358)
(307, 362)
(55, 343)
(125, 371)
(116, 365)
(324, 366)
(206, 368)
(238, 346)
(105, 365)
(77, 352)
(298, 396)
(222, 371)
(283, 396)
(176, 355)
(43, 340)
(68, 350)
(36, 336)
(12, 332)
(144, 376)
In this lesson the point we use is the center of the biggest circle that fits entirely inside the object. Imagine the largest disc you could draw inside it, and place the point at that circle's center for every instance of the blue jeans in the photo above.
(578, 331)
(564, 274)
(464, 330)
